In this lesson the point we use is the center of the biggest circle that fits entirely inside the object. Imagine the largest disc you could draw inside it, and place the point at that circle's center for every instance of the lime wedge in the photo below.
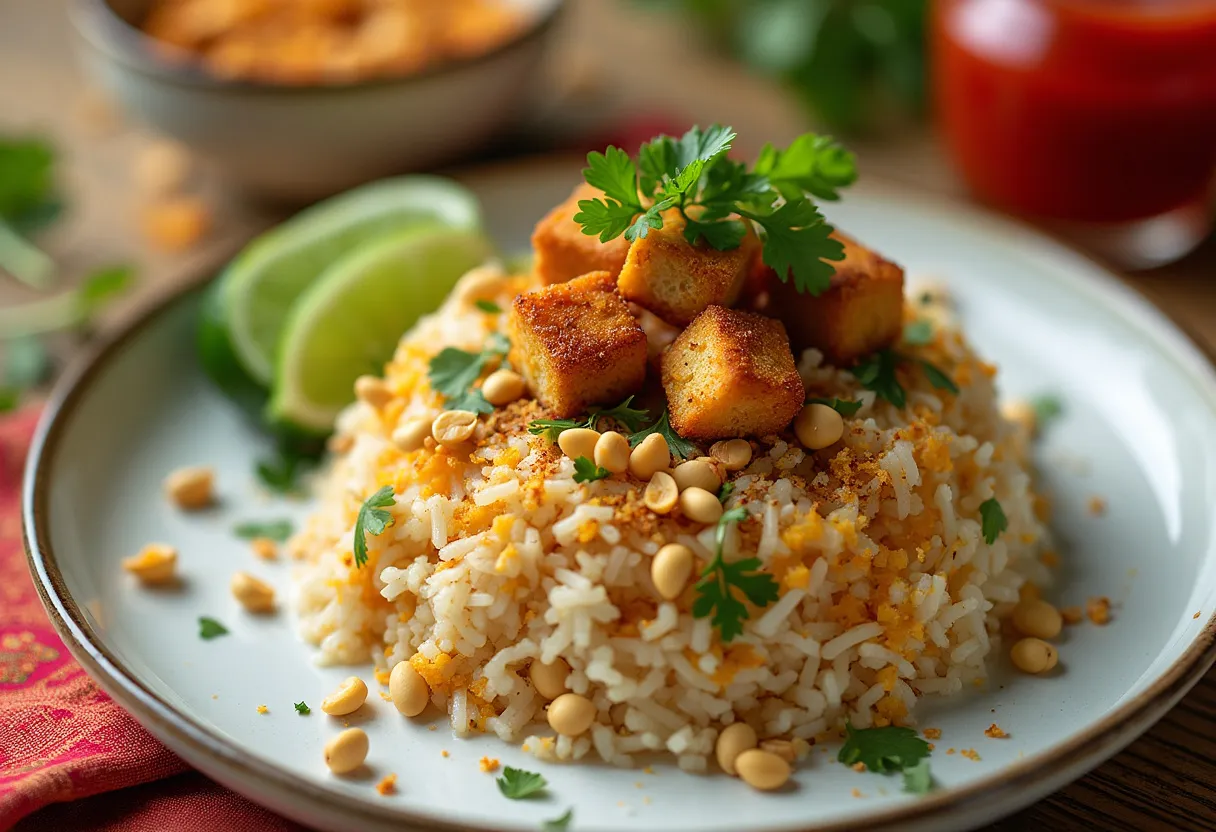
(349, 321)
(260, 286)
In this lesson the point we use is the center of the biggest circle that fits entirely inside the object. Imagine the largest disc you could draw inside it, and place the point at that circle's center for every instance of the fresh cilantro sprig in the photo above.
(992, 520)
(585, 470)
(717, 198)
(453, 372)
(628, 417)
(677, 444)
(278, 530)
(372, 519)
(844, 407)
(560, 824)
(719, 580)
(302, 708)
(209, 628)
(882, 750)
(877, 372)
(516, 783)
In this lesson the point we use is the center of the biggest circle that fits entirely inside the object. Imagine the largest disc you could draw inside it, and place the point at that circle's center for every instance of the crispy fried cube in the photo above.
(731, 373)
(675, 280)
(577, 345)
(564, 252)
(862, 312)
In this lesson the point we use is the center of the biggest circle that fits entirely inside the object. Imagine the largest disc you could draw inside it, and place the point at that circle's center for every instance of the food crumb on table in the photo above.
(1071, 615)
(1197, 614)
(432, 727)
(264, 548)
(857, 793)
(933, 733)
(262, 709)
(1096, 506)
(949, 750)
(486, 764)
(387, 785)
(970, 754)
(444, 753)
(859, 767)
(995, 732)
(650, 769)
(931, 745)
(1098, 610)
(639, 785)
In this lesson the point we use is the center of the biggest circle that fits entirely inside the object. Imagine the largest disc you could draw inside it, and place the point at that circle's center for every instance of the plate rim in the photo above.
(180, 729)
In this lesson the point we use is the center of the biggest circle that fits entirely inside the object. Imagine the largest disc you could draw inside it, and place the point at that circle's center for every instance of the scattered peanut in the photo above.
(735, 454)
(1037, 618)
(348, 698)
(503, 387)
(782, 748)
(733, 741)
(671, 569)
(452, 427)
(697, 473)
(762, 770)
(549, 679)
(1033, 655)
(409, 691)
(700, 506)
(570, 714)
(347, 751)
(191, 488)
(818, 426)
(578, 442)
(410, 435)
(264, 548)
(612, 452)
(175, 223)
(372, 391)
(661, 494)
(254, 594)
(162, 168)
(156, 563)
(650, 457)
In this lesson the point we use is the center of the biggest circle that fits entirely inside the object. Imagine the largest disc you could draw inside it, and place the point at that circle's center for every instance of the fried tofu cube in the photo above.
(730, 374)
(677, 281)
(862, 312)
(564, 252)
(577, 345)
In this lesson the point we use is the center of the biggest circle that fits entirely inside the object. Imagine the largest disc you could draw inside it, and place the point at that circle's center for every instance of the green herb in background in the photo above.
(586, 470)
(278, 530)
(302, 709)
(209, 628)
(281, 473)
(516, 783)
(27, 204)
(992, 520)
(883, 750)
(372, 519)
(558, 824)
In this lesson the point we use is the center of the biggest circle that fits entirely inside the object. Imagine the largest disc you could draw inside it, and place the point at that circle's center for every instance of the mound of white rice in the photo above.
(498, 558)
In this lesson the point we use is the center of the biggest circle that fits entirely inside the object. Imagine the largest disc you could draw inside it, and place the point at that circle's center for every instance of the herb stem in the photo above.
(41, 316)
(23, 260)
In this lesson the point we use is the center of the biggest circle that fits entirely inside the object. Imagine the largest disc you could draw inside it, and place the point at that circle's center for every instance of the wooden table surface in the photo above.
(1164, 781)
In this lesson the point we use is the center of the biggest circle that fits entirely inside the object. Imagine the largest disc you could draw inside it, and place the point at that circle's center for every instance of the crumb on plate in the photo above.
(264, 548)
(387, 785)
(444, 753)
(970, 754)
(262, 709)
(858, 767)
(1098, 610)
(995, 732)
(933, 733)
(487, 764)
(1096, 506)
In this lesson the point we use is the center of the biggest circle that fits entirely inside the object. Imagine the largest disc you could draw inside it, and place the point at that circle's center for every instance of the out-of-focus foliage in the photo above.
(857, 64)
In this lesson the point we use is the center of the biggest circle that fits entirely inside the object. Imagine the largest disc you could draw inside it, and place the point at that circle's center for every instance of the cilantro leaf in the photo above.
(814, 164)
(551, 429)
(716, 588)
(882, 750)
(473, 401)
(992, 520)
(302, 709)
(278, 530)
(630, 418)
(560, 824)
(722, 235)
(938, 378)
(918, 779)
(587, 471)
(102, 286)
(652, 218)
(487, 306)
(844, 407)
(877, 372)
(372, 519)
(1046, 408)
(699, 145)
(657, 159)
(614, 173)
(453, 371)
(798, 243)
(727, 489)
(606, 218)
(209, 628)
(516, 784)
(918, 333)
(677, 444)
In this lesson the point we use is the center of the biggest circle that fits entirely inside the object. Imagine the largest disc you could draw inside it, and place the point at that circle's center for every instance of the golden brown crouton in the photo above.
(577, 345)
(564, 252)
(675, 280)
(729, 374)
(862, 312)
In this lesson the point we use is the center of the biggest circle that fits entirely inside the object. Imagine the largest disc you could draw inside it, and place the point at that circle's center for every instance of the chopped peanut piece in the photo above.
(995, 732)
(387, 785)
(155, 564)
(176, 223)
(191, 488)
(1098, 610)
(264, 548)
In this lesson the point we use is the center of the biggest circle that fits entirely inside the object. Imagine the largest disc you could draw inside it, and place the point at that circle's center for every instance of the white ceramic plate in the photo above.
(1139, 431)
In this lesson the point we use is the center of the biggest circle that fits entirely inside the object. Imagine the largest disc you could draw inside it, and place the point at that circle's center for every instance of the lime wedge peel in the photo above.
(348, 322)
(261, 286)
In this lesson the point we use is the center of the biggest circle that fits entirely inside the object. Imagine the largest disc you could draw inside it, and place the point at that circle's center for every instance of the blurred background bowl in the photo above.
(303, 142)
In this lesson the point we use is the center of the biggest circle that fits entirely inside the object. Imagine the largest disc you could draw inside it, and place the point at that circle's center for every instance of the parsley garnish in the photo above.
(372, 519)
(453, 372)
(278, 530)
(587, 471)
(842, 406)
(487, 306)
(516, 784)
(725, 491)
(938, 378)
(1046, 408)
(918, 333)
(302, 709)
(209, 628)
(677, 444)
(717, 197)
(628, 417)
(558, 824)
(917, 779)
(877, 372)
(992, 520)
(715, 589)
(883, 750)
